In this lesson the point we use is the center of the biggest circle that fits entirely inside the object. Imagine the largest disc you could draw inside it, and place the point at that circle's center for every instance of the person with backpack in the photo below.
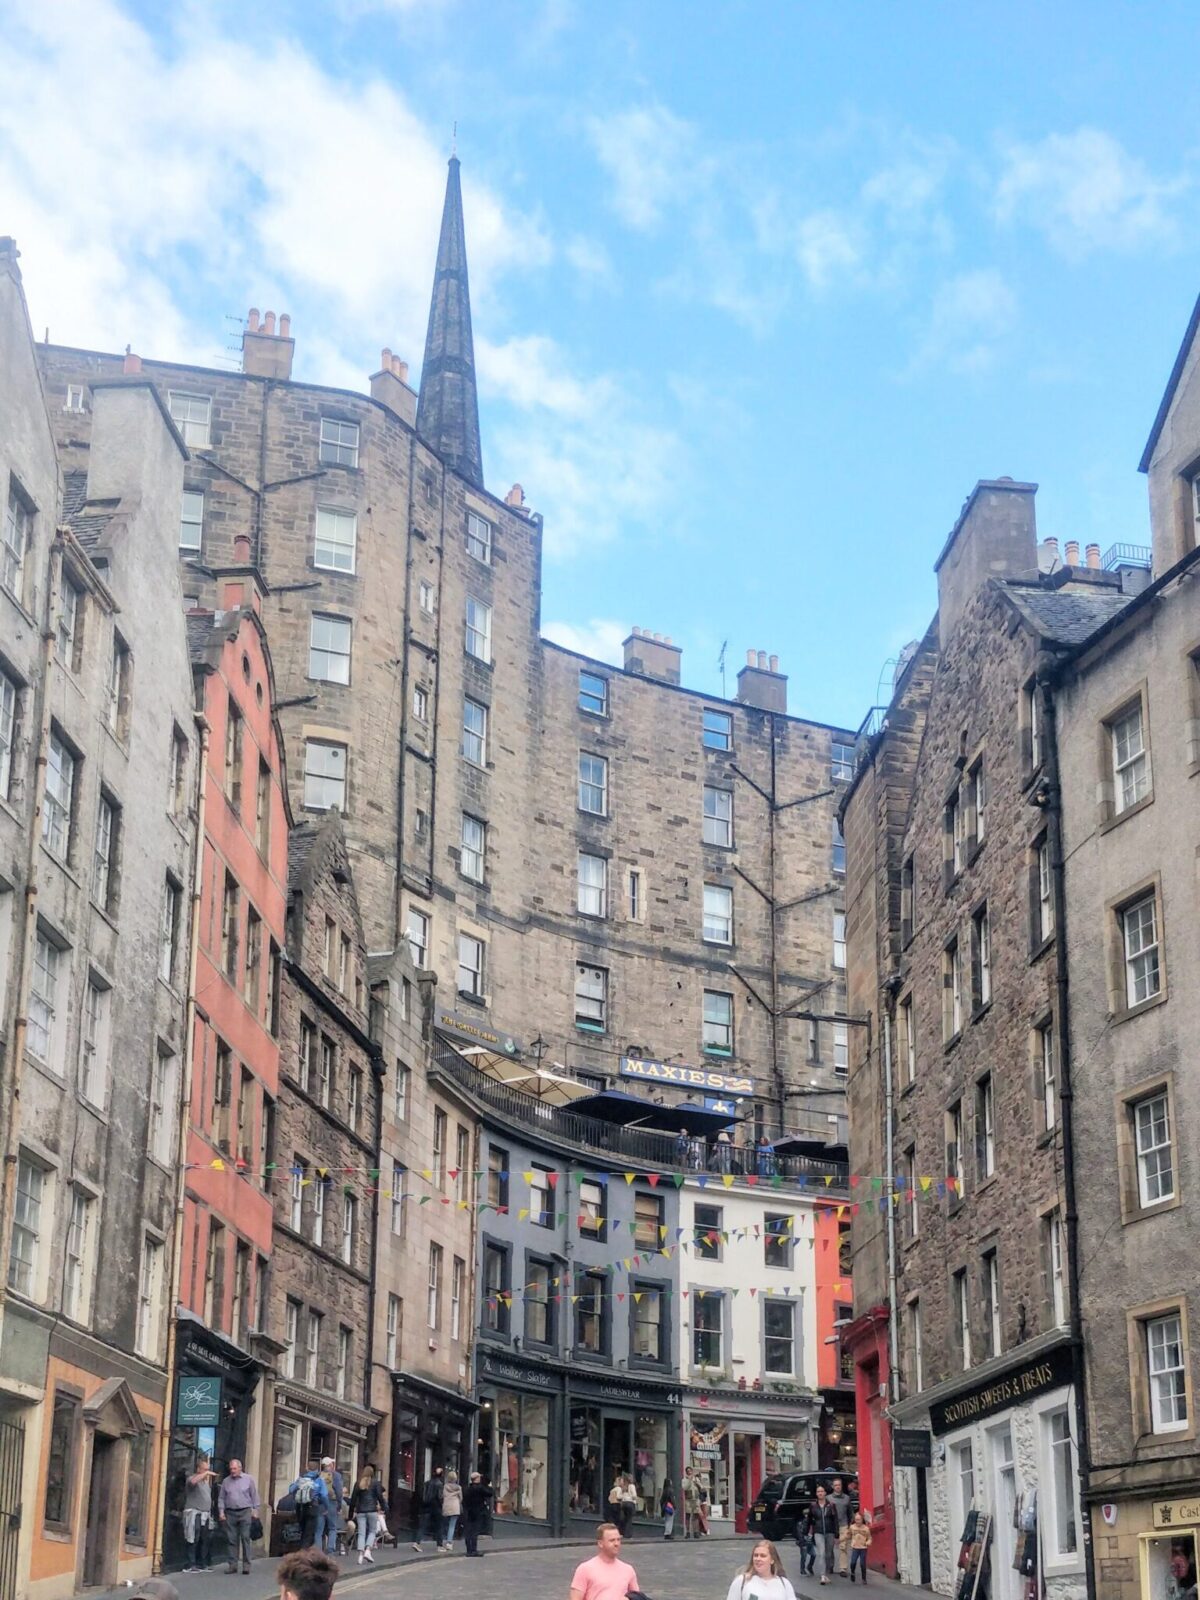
(311, 1500)
(335, 1488)
(431, 1510)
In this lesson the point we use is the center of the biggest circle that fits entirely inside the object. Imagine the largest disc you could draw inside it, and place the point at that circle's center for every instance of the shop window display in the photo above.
(649, 1461)
(585, 1481)
(516, 1455)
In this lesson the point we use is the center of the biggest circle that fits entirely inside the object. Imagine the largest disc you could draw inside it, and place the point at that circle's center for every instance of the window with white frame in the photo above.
(952, 1008)
(77, 1255)
(593, 784)
(1052, 1252)
(1044, 888)
(30, 1215)
(18, 532)
(479, 538)
(708, 1329)
(907, 1027)
(1062, 1532)
(169, 931)
(341, 1379)
(296, 1195)
(592, 885)
(1153, 1148)
(470, 966)
(120, 678)
(977, 797)
(75, 398)
(458, 1277)
(70, 606)
(349, 1227)
(1139, 936)
(338, 443)
(104, 853)
(425, 597)
(421, 703)
(1032, 717)
(329, 648)
(718, 914)
(43, 997)
(779, 1336)
(593, 693)
(962, 1465)
(324, 775)
(991, 1302)
(841, 1048)
(841, 761)
(636, 901)
(985, 1128)
(59, 796)
(838, 862)
(1130, 758)
(192, 415)
(911, 1191)
(1166, 1368)
(717, 1023)
(839, 940)
(955, 1159)
(916, 1354)
(962, 1316)
(718, 816)
(474, 739)
(1043, 1044)
(717, 730)
(397, 1198)
(163, 1089)
(981, 959)
(318, 1210)
(312, 1348)
(191, 520)
(478, 635)
(391, 1349)
(335, 539)
(591, 997)
(433, 1299)
(417, 931)
(150, 1288)
(472, 849)
(8, 732)
(95, 1042)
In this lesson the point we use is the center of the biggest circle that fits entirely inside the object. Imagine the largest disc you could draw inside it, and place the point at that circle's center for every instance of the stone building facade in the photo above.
(96, 772)
(324, 1183)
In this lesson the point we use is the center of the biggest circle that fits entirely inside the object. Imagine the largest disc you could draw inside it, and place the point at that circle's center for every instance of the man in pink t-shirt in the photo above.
(605, 1576)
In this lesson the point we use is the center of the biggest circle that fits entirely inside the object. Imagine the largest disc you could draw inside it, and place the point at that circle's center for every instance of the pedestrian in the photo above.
(763, 1577)
(666, 1506)
(691, 1504)
(237, 1505)
(605, 1576)
(306, 1575)
(822, 1522)
(629, 1504)
(860, 1543)
(765, 1156)
(367, 1506)
(335, 1484)
(840, 1501)
(310, 1496)
(431, 1510)
(724, 1151)
(198, 1515)
(452, 1504)
(702, 1511)
(476, 1499)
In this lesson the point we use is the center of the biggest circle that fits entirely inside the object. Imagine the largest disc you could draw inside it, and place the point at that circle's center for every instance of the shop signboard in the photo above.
(912, 1447)
(198, 1404)
(685, 1077)
(1049, 1371)
(471, 1030)
(1167, 1514)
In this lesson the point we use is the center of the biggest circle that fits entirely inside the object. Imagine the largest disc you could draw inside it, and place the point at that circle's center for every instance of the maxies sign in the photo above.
(684, 1077)
(1013, 1388)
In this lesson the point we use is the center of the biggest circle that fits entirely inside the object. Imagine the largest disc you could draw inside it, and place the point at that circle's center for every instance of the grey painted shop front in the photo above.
(551, 1439)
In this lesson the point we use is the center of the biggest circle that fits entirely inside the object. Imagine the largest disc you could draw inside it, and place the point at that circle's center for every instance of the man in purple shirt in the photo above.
(237, 1503)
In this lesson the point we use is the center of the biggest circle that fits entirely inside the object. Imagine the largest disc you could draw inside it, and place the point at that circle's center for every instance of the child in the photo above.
(860, 1543)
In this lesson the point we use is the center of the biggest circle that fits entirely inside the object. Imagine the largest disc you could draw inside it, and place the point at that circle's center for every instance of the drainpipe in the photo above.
(889, 1158)
(183, 1125)
(1050, 798)
(10, 1081)
(776, 1077)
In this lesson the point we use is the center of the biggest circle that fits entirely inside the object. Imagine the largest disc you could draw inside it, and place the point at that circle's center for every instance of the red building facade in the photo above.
(240, 905)
(865, 1342)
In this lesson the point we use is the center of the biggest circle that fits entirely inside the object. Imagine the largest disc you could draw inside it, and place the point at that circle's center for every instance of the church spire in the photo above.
(448, 407)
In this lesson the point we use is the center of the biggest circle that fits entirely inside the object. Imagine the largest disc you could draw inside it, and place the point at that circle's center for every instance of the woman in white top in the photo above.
(764, 1577)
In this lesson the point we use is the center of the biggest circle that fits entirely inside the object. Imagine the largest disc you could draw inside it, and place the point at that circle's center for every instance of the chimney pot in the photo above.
(252, 319)
(401, 369)
(132, 363)
(1051, 543)
(269, 323)
(774, 663)
(385, 359)
(762, 660)
(750, 658)
(1093, 555)
(1072, 552)
(241, 549)
(285, 325)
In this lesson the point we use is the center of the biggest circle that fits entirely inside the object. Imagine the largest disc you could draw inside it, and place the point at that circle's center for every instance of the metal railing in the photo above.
(1126, 555)
(604, 1142)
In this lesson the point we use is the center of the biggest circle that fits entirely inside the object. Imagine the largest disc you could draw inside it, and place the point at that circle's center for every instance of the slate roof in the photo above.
(87, 519)
(1066, 616)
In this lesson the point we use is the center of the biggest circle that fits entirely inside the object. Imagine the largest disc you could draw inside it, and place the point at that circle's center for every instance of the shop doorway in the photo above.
(1006, 1584)
(747, 1476)
(1170, 1566)
(618, 1452)
(103, 1512)
(923, 1529)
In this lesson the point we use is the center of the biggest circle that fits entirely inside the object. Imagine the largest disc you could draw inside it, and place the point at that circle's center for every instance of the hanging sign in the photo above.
(684, 1077)
(476, 1032)
(198, 1403)
(912, 1447)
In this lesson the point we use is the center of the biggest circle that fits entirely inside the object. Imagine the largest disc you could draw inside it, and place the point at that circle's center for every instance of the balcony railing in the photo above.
(1126, 555)
(605, 1144)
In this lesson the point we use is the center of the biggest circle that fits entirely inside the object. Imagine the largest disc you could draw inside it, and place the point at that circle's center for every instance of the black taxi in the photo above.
(786, 1496)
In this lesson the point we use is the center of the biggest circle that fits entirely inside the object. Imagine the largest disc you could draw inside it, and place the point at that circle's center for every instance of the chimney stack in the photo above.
(132, 364)
(1072, 552)
(265, 353)
(762, 685)
(995, 537)
(390, 387)
(1093, 557)
(650, 655)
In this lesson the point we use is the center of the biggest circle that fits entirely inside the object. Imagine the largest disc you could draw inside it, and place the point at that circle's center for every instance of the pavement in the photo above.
(535, 1569)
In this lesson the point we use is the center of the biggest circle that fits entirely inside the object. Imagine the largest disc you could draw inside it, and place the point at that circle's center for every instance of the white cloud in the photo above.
(601, 638)
(826, 249)
(968, 319)
(591, 261)
(1086, 192)
(646, 152)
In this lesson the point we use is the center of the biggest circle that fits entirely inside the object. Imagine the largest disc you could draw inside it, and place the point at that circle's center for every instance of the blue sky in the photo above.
(760, 290)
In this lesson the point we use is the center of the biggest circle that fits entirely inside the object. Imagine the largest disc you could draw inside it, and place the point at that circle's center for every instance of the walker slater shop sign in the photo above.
(685, 1077)
(1050, 1371)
